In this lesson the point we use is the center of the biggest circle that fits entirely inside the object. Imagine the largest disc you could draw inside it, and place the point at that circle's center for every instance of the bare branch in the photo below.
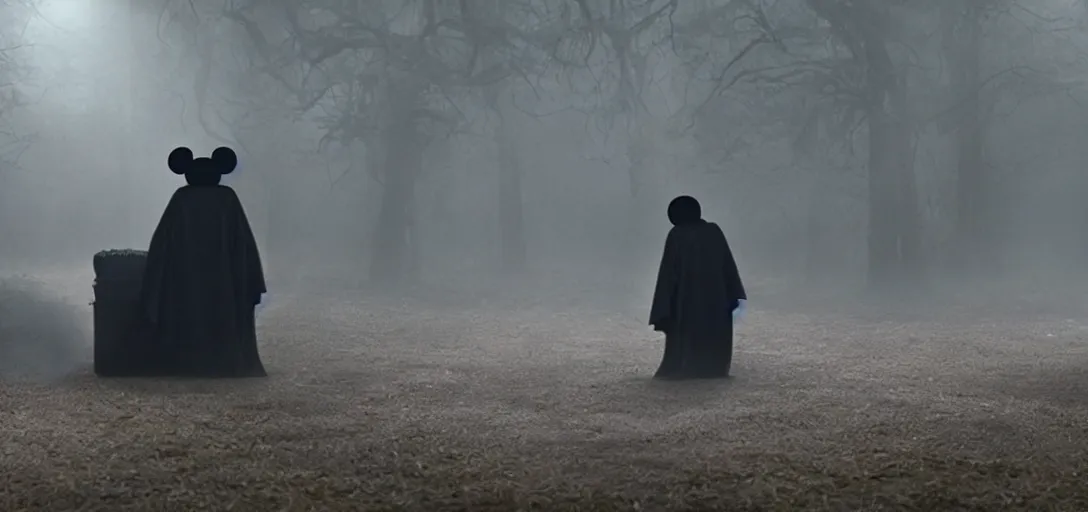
(720, 84)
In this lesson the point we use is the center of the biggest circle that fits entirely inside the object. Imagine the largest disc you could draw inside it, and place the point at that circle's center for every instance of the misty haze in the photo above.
(460, 208)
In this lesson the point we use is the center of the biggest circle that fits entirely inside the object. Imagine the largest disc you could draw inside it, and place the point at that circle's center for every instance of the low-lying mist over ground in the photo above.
(42, 335)
(461, 209)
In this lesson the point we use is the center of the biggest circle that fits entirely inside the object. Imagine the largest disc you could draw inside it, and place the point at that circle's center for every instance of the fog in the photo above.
(460, 208)
(412, 148)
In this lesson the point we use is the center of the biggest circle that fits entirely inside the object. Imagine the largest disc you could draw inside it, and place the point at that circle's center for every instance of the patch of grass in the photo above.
(378, 407)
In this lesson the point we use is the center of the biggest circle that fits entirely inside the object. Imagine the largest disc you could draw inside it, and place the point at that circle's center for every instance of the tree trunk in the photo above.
(883, 243)
(511, 206)
(818, 259)
(640, 217)
(972, 244)
(395, 257)
(511, 202)
(894, 228)
(278, 224)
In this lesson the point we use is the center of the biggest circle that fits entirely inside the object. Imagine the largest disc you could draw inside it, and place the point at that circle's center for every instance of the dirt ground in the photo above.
(382, 406)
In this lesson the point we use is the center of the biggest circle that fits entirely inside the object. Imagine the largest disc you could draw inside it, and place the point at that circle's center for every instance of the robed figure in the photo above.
(203, 277)
(698, 289)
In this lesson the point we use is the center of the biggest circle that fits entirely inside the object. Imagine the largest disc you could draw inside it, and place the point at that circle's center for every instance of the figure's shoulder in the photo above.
(712, 228)
(681, 234)
(674, 233)
(695, 229)
(226, 195)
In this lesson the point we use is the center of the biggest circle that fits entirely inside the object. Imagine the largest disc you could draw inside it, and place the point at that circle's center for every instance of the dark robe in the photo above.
(698, 286)
(201, 284)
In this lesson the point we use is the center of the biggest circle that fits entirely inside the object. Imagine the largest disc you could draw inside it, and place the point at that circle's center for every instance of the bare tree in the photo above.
(612, 44)
(963, 32)
(845, 64)
(873, 76)
(979, 81)
(627, 27)
(499, 98)
(15, 71)
(381, 74)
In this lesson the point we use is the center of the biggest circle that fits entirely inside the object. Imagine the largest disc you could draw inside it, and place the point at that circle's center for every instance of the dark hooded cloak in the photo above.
(698, 286)
(203, 276)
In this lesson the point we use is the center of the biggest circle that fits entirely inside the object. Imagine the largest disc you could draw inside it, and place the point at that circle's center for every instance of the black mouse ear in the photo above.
(180, 160)
(225, 159)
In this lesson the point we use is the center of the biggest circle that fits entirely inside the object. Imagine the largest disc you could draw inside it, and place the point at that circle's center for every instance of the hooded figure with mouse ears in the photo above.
(203, 277)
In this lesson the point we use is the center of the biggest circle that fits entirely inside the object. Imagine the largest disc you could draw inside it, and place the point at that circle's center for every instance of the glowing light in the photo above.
(67, 13)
